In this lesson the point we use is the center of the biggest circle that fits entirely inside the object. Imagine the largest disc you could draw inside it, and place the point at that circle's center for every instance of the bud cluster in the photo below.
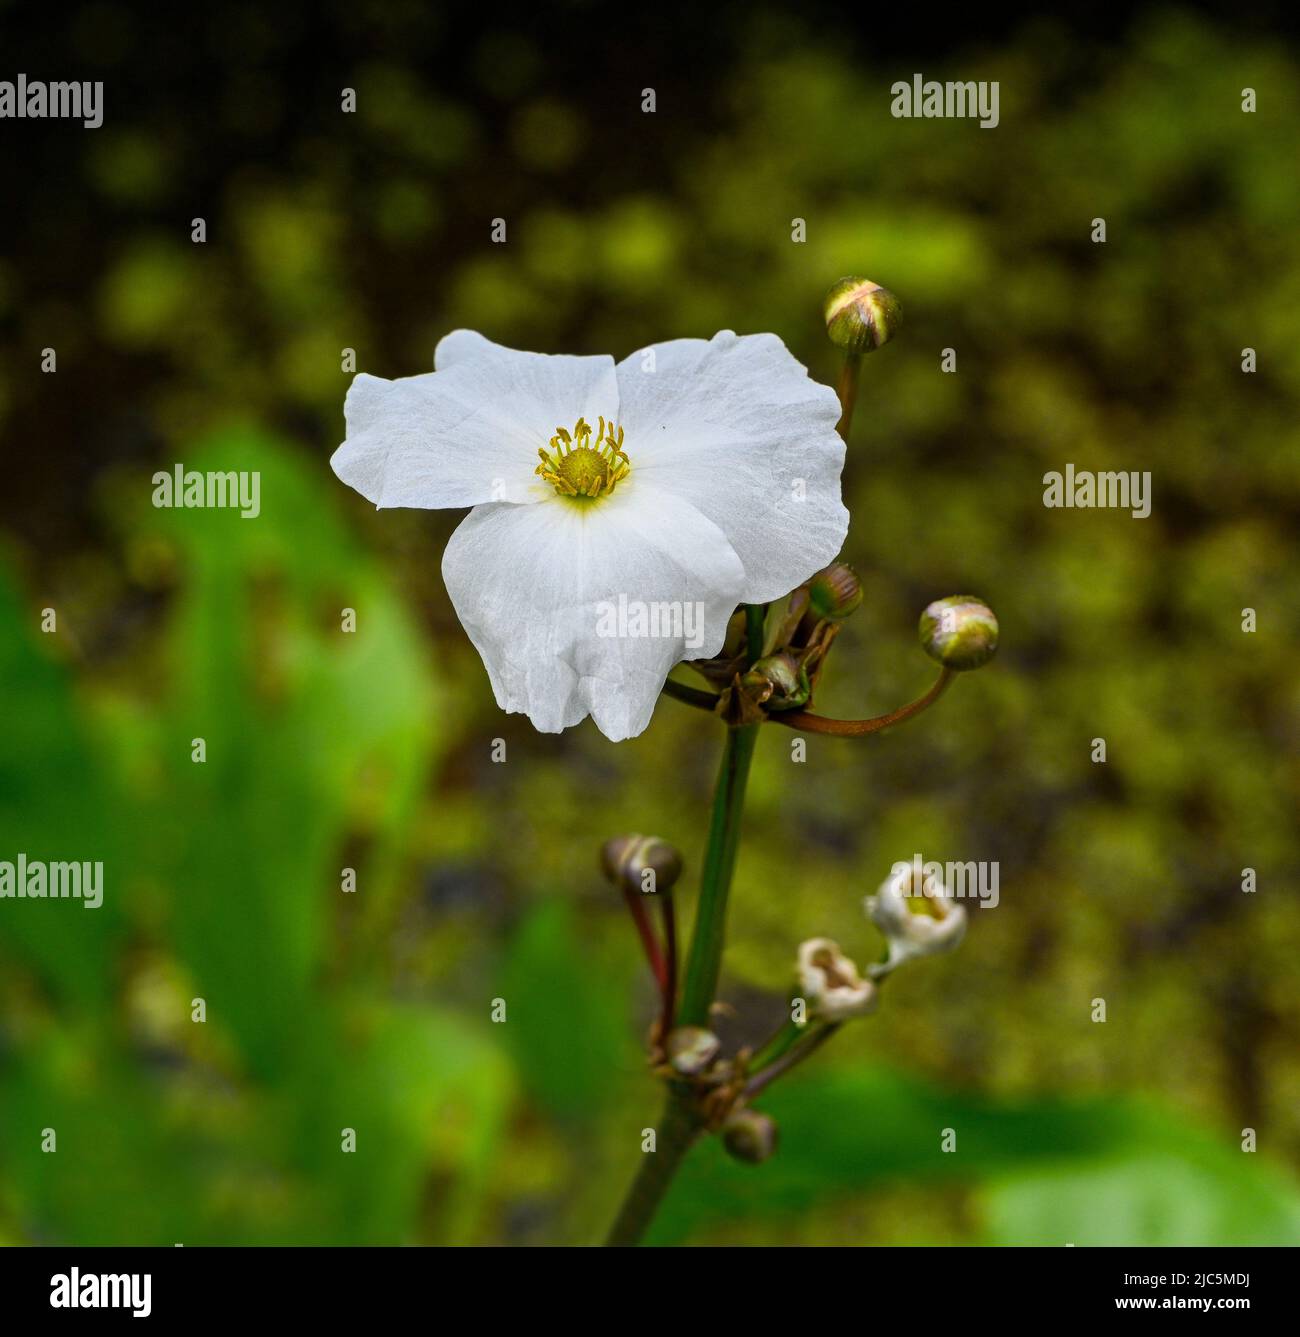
(918, 916)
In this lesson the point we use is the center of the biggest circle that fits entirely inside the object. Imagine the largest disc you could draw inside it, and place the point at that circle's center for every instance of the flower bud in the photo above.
(830, 982)
(917, 914)
(959, 632)
(861, 315)
(641, 863)
(691, 1050)
(750, 1136)
(835, 592)
(778, 682)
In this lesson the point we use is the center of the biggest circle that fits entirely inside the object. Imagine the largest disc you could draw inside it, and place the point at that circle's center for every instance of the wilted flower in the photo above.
(917, 915)
(690, 477)
(830, 982)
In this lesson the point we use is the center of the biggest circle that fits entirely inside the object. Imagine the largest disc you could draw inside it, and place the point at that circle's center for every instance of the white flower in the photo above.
(937, 925)
(831, 983)
(582, 581)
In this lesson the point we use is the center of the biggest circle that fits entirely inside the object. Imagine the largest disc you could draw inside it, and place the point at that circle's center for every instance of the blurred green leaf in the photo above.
(55, 805)
(1157, 1200)
(567, 1025)
(427, 1095)
(846, 1132)
(298, 739)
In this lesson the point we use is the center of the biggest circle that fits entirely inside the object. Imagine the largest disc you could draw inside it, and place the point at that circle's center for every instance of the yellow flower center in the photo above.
(576, 466)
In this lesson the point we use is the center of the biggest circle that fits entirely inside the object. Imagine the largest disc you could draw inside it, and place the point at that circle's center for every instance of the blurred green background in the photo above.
(476, 881)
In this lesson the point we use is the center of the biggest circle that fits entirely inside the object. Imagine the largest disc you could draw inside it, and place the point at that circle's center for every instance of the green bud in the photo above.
(691, 1049)
(778, 682)
(861, 315)
(626, 861)
(835, 592)
(960, 632)
(750, 1136)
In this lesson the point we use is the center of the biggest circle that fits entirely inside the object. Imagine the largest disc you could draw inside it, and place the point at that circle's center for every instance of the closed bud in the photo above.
(778, 682)
(861, 315)
(835, 592)
(626, 860)
(691, 1050)
(960, 632)
(750, 1136)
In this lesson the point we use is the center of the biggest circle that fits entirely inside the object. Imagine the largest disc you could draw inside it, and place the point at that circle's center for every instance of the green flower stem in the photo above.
(705, 960)
(755, 622)
(783, 1065)
(847, 389)
(691, 695)
(676, 1134)
(680, 1126)
(789, 1034)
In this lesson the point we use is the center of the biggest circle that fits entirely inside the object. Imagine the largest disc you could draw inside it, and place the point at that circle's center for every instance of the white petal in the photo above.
(887, 909)
(563, 600)
(842, 1003)
(736, 426)
(537, 392)
(470, 431)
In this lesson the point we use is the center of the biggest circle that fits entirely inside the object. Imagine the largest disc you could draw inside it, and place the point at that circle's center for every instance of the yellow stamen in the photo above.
(577, 467)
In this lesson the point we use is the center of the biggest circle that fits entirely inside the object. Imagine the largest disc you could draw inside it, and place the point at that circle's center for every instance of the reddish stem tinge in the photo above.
(653, 952)
(802, 720)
